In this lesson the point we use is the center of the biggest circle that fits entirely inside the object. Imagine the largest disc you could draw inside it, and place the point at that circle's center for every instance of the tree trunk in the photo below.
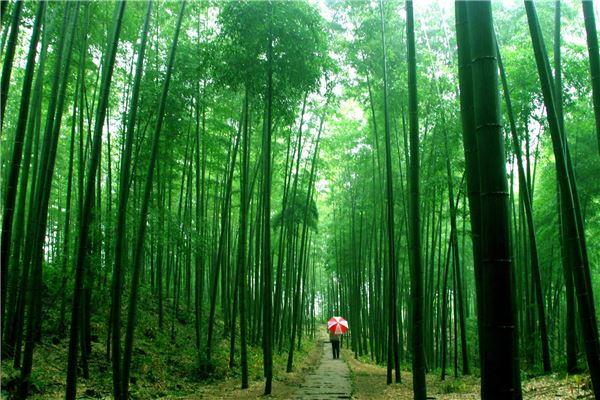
(120, 233)
(66, 251)
(303, 244)
(86, 212)
(17, 153)
(139, 244)
(267, 285)
(416, 276)
(574, 240)
(221, 252)
(9, 56)
(42, 194)
(13, 309)
(393, 360)
(592, 43)
(499, 337)
(242, 247)
(527, 199)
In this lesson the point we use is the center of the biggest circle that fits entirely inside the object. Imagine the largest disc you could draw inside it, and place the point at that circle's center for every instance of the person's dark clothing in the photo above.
(336, 349)
(335, 344)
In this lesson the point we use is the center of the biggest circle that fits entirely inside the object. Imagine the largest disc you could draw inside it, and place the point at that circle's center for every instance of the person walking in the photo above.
(334, 338)
(336, 327)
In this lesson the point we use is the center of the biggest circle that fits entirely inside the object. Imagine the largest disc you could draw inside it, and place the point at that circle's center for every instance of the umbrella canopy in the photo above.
(337, 325)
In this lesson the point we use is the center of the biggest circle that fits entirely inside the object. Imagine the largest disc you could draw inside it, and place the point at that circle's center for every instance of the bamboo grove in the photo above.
(230, 174)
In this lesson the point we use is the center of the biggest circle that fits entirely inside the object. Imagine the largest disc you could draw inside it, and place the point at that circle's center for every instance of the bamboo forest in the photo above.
(300, 199)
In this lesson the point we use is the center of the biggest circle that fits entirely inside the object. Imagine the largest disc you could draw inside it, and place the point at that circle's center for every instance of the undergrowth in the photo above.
(165, 361)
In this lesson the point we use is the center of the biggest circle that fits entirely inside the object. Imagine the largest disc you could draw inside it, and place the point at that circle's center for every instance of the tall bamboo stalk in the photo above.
(592, 43)
(393, 361)
(86, 212)
(17, 153)
(9, 56)
(465, 83)
(574, 242)
(39, 210)
(141, 231)
(497, 292)
(266, 262)
(527, 200)
(416, 275)
(122, 211)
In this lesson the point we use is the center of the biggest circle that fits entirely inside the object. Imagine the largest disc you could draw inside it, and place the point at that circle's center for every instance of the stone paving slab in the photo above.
(331, 380)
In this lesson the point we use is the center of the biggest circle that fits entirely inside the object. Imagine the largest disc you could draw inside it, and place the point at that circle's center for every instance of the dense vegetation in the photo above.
(240, 171)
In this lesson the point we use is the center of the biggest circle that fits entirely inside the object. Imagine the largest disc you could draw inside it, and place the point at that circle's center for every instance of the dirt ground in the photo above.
(369, 382)
(166, 379)
(285, 384)
(159, 376)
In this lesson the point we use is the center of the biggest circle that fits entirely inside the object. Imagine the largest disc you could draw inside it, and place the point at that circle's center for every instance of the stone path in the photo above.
(331, 380)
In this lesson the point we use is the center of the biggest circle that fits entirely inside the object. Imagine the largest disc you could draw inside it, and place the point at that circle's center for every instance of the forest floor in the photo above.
(369, 382)
(165, 365)
(172, 378)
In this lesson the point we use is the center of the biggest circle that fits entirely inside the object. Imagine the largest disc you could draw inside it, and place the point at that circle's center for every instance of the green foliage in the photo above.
(299, 49)
(222, 51)
(205, 369)
(295, 212)
(453, 386)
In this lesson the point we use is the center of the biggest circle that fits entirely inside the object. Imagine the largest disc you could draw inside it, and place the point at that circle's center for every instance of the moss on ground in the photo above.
(369, 382)
(163, 365)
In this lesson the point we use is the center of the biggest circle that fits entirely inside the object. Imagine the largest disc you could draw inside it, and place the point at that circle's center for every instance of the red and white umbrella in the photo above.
(337, 325)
